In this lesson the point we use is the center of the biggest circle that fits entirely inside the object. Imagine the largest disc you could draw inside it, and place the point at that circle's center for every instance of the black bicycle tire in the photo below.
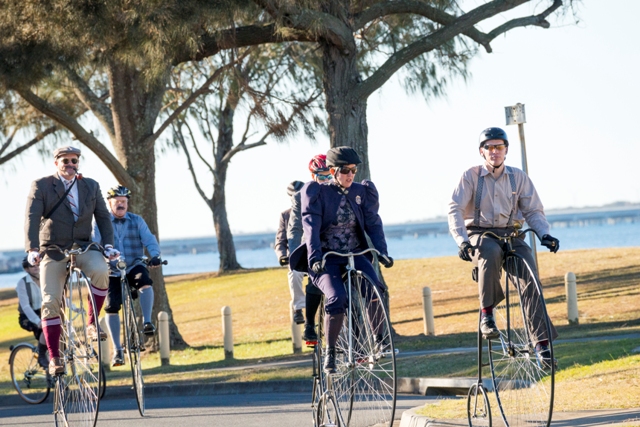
(14, 352)
(132, 335)
(473, 395)
(505, 412)
(328, 399)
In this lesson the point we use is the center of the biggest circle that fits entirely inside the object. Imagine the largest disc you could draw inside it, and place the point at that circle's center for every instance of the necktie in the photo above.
(72, 201)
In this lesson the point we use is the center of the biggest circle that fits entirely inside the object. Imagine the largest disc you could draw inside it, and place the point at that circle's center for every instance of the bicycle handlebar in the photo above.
(349, 254)
(121, 264)
(67, 252)
(514, 235)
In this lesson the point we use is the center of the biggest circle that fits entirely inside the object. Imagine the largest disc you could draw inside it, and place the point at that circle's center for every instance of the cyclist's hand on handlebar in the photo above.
(317, 267)
(155, 262)
(283, 260)
(550, 242)
(33, 257)
(110, 252)
(466, 251)
(386, 260)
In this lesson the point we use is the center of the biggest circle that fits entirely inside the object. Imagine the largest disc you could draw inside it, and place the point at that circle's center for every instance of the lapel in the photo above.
(83, 194)
(60, 189)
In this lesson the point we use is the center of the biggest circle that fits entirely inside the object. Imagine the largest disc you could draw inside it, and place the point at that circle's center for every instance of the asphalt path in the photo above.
(239, 410)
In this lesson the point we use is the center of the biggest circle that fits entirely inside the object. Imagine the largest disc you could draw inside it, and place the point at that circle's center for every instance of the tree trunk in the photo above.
(347, 114)
(135, 111)
(226, 247)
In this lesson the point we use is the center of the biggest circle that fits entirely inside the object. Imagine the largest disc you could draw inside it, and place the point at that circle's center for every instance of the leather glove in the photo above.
(110, 252)
(550, 242)
(466, 251)
(155, 261)
(284, 260)
(33, 257)
(317, 267)
(386, 260)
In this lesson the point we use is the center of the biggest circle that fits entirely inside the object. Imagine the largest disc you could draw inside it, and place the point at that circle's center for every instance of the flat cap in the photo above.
(61, 151)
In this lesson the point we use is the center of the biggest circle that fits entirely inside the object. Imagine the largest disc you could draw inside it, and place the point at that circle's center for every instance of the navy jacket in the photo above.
(320, 205)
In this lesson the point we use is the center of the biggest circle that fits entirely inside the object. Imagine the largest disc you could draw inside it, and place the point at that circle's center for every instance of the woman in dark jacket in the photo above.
(335, 217)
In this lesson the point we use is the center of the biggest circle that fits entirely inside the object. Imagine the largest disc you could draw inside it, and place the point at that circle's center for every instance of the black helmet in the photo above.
(118, 191)
(340, 156)
(493, 133)
(25, 262)
(294, 187)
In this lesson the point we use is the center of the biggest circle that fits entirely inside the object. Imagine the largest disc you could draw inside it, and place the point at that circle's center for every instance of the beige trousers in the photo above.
(54, 273)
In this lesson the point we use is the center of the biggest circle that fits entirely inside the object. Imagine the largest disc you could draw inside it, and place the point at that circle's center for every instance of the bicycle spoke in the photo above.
(133, 343)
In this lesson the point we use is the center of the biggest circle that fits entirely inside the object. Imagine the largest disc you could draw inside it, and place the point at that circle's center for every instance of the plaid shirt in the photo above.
(131, 235)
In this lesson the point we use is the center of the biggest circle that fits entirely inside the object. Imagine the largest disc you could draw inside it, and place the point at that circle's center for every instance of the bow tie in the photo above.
(119, 220)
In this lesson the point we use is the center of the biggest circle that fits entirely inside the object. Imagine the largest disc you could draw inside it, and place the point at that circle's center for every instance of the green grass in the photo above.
(608, 302)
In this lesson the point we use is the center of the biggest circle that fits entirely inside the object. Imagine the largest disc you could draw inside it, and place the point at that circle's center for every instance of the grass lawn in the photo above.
(608, 302)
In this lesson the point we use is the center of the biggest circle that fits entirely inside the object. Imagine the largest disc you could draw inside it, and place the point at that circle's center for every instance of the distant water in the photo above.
(406, 247)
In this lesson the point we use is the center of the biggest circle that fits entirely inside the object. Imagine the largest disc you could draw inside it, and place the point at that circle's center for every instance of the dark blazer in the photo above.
(282, 244)
(61, 229)
(320, 208)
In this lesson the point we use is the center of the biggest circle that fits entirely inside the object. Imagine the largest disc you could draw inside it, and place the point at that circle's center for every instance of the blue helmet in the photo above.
(493, 133)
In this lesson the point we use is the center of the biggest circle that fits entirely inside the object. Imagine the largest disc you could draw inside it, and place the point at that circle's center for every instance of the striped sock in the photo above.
(52, 329)
(99, 296)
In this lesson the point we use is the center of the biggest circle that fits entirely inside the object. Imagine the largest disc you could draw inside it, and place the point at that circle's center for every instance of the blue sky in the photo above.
(583, 147)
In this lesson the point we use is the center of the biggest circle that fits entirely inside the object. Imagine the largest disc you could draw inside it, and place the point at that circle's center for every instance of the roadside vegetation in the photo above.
(608, 303)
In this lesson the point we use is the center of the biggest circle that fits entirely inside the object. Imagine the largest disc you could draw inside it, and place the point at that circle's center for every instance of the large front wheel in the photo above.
(76, 399)
(365, 381)
(523, 383)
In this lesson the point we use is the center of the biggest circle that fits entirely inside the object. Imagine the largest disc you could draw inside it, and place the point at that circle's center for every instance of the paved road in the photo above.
(244, 410)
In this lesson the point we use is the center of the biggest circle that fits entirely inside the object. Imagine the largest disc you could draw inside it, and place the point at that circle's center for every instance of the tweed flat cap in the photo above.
(61, 151)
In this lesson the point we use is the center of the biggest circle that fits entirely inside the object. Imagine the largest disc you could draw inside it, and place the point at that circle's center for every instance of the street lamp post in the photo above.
(515, 115)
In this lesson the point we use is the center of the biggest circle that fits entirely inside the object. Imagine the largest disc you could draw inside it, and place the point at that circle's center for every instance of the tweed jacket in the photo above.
(61, 229)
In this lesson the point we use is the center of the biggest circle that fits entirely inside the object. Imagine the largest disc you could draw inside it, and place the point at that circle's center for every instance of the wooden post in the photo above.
(296, 335)
(163, 338)
(427, 306)
(570, 288)
(227, 332)
(104, 345)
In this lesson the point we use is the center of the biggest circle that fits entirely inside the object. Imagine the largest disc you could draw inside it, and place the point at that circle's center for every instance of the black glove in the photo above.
(386, 260)
(284, 260)
(317, 267)
(155, 261)
(551, 243)
(466, 251)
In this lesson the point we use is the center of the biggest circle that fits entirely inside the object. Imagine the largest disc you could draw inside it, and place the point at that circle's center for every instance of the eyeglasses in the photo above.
(499, 147)
(66, 161)
(345, 170)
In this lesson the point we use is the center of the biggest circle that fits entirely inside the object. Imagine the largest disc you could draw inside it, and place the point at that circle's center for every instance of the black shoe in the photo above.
(43, 356)
(310, 333)
(118, 358)
(298, 317)
(488, 328)
(148, 329)
(330, 360)
(544, 357)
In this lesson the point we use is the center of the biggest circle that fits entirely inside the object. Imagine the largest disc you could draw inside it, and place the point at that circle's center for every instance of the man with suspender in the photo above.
(494, 197)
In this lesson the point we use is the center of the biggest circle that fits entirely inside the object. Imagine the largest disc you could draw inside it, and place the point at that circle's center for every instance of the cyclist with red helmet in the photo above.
(494, 197)
(338, 217)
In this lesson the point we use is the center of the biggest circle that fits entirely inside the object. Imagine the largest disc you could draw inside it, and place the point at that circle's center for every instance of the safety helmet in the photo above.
(25, 262)
(318, 164)
(118, 191)
(340, 156)
(493, 133)
(294, 187)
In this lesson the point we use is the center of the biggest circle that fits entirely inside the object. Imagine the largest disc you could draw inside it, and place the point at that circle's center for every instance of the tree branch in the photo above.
(444, 34)
(71, 124)
(180, 137)
(48, 131)
(90, 100)
(539, 20)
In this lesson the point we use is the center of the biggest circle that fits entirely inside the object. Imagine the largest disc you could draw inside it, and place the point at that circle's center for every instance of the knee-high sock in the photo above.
(113, 323)
(52, 329)
(311, 307)
(146, 303)
(99, 296)
(333, 324)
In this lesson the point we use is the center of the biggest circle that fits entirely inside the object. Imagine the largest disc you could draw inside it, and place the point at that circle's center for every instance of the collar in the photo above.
(488, 170)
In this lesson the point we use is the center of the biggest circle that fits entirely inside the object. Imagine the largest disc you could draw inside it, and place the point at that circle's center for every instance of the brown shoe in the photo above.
(93, 334)
(56, 366)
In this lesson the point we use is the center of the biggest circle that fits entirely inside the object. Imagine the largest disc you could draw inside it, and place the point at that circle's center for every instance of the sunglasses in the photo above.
(323, 177)
(66, 161)
(500, 147)
(345, 170)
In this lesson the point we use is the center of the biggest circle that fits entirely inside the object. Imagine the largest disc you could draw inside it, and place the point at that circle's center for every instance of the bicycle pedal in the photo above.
(311, 343)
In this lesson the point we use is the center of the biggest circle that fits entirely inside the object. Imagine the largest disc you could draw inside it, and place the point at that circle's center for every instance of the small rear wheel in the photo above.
(327, 414)
(27, 376)
(478, 410)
